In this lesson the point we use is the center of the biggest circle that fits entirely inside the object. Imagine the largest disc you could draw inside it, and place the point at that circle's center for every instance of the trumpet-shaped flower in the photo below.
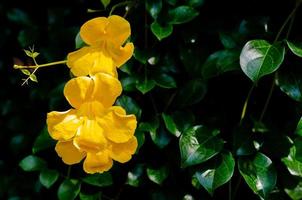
(105, 38)
(93, 129)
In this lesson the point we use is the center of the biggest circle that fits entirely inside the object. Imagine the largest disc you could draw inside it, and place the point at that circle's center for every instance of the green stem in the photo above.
(244, 108)
(268, 99)
(118, 5)
(39, 66)
(68, 172)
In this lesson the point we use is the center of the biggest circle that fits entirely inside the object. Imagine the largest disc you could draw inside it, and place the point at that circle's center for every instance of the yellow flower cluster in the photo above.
(94, 129)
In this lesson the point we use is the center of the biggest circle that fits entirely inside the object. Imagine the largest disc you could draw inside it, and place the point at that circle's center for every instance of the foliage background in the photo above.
(177, 81)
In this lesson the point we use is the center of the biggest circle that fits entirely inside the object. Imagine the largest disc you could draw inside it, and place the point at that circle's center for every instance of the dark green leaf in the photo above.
(170, 125)
(96, 196)
(296, 48)
(160, 31)
(140, 136)
(160, 137)
(259, 58)
(43, 141)
(134, 177)
(79, 43)
(243, 141)
(221, 62)
(182, 14)
(293, 165)
(48, 177)
(191, 59)
(227, 40)
(129, 83)
(198, 144)
(183, 119)
(171, 2)
(191, 93)
(32, 163)
(195, 3)
(129, 105)
(145, 86)
(164, 80)
(100, 180)
(291, 84)
(69, 189)
(259, 173)
(158, 175)
(299, 128)
(19, 16)
(298, 145)
(217, 172)
(141, 56)
(154, 7)
(105, 3)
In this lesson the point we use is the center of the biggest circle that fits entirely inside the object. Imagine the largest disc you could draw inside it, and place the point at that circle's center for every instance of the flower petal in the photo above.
(106, 89)
(122, 152)
(118, 29)
(89, 61)
(120, 55)
(78, 90)
(69, 153)
(98, 162)
(90, 137)
(62, 125)
(118, 127)
(94, 30)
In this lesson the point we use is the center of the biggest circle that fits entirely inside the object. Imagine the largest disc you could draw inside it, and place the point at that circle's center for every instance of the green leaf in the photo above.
(145, 86)
(296, 192)
(217, 172)
(69, 189)
(227, 40)
(43, 141)
(129, 105)
(243, 141)
(291, 84)
(299, 128)
(129, 83)
(198, 144)
(160, 31)
(96, 196)
(141, 56)
(25, 71)
(259, 173)
(154, 7)
(33, 78)
(195, 3)
(221, 62)
(48, 177)
(293, 165)
(296, 48)
(105, 3)
(158, 175)
(79, 42)
(28, 53)
(181, 14)
(192, 92)
(298, 145)
(32, 163)
(170, 125)
(134, 177)
(100, 180)
(164, 80)
(259, 58)
(160, 137)
(140, 136)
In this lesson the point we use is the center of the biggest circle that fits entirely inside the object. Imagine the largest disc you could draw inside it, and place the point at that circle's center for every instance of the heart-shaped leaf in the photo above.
(259, 58)
(198, 144)
(296, 48)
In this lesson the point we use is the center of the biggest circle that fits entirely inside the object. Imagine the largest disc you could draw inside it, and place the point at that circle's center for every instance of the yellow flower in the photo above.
(105, 37)
(93, 128)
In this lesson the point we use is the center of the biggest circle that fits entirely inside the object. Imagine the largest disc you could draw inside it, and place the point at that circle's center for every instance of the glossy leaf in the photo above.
(105, 3)
(32, 163)
(134, 177)
(190, 93)
(217, 172)
(48, 177)
(259, 58)
(158, 175)
(299, 128)
(296, 48)
(154, 7)
(195, 3)
(291, 84)
(129, 83)
(198, 144)
(129, 105)
(160, 31)
(100, 180)
(160, 137)
(259, 173)
(296, 192)
(182, 14)
(171, 125)
(293, 165)
(43, 141)
(164, 80)
(145, 86)
(221, 62)
(69, 189)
